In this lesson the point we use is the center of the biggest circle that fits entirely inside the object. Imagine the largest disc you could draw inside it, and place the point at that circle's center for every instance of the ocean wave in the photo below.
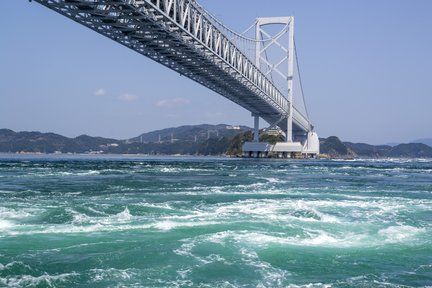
(310, 285)
(162, 206)
(76, 229)
(308, 237)
(4, 224)
(398, 234)
(12, 213)
(34, 281)
(319, 239)
(272, 180)
(111, 274)
(15, 265)
(81, 218)
(179, 169)
(169, 225)
(53, 173)
(269, 276)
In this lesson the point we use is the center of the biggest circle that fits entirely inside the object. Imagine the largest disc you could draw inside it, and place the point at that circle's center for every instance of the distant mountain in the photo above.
(38, 142)
(427, 141)
(201, 139)
(334, 147)
(192, 140)
(411, 150)
(369, 151)
(189, 140)
(190, 133)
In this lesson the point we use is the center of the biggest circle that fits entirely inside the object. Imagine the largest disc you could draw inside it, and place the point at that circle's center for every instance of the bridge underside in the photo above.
(144, 27)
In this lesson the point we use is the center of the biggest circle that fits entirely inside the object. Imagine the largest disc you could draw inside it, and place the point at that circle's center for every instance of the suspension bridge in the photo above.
(257, 72)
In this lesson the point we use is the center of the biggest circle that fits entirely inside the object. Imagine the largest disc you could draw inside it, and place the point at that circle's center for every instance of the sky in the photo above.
(366, 71)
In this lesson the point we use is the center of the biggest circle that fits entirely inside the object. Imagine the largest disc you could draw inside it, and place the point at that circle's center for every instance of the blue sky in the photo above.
(366, 69)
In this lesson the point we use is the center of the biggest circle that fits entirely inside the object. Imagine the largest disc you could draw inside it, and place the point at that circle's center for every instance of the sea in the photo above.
(141, 221)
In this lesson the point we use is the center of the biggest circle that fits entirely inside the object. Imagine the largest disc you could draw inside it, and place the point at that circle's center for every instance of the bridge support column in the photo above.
(256, 128)
(289, 136)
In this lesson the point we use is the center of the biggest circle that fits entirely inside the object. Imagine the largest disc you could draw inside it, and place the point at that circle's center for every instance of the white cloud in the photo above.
(128, 97)
(100, 92)
(175, 102)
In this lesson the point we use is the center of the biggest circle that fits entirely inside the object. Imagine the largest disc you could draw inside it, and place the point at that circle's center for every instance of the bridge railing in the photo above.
(192, 20)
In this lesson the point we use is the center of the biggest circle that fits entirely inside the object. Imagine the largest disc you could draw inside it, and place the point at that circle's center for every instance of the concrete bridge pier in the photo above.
(306, 147)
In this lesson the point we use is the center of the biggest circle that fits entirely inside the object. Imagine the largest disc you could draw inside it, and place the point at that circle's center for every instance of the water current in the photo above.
(115, 221)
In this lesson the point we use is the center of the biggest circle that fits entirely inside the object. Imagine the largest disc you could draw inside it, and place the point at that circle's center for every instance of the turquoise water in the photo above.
(214, 222)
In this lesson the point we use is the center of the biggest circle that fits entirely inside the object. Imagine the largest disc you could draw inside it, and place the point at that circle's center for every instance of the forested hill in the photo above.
(335, 148)
(192, 140)
(191, 133)
(13, 142)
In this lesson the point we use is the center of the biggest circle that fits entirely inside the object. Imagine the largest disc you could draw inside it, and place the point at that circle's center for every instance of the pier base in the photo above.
(284, 150)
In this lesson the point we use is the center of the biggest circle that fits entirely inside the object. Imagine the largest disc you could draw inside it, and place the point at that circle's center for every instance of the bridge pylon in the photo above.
(286, 55)
(280, 70)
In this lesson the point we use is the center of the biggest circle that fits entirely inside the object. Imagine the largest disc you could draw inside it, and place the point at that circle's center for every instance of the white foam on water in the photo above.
(165, 225)
(14, 263)
(50, 173)
(271, 276)
(169, 225)
(164, 206)
(310, 285)
(313, 239)
(216, 258)
(168, 170)
(113, 273)
(124, 216)
(241, 189)
(118, 222)
(283, 211)
(8, 213)
(398, 234)
(423, 268)
(179, 170)
(321, 240)
(96, 211)
(87, 173)
(183, 273)
(73, 193)
(29, 280)
(197, 215)
(318, 238)
(80, 218)
(272, 180)
(346, 240)
(4, 225)
(185, 249)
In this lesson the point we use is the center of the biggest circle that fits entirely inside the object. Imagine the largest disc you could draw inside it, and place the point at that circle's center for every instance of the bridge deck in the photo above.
(176, 34)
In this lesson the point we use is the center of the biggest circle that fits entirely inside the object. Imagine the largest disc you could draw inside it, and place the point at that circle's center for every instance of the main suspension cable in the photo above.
(300, 80)
(235, 33)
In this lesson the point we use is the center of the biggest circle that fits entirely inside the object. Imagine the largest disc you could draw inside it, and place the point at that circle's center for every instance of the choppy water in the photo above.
(204, 222)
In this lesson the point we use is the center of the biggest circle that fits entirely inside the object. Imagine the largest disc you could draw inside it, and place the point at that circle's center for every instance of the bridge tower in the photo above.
(283, 77)
(274, 69)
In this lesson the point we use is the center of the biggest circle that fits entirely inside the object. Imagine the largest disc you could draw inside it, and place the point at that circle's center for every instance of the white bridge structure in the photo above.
(183, 36)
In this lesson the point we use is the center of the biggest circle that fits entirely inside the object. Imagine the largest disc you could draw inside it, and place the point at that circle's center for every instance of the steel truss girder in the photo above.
(177, 34)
